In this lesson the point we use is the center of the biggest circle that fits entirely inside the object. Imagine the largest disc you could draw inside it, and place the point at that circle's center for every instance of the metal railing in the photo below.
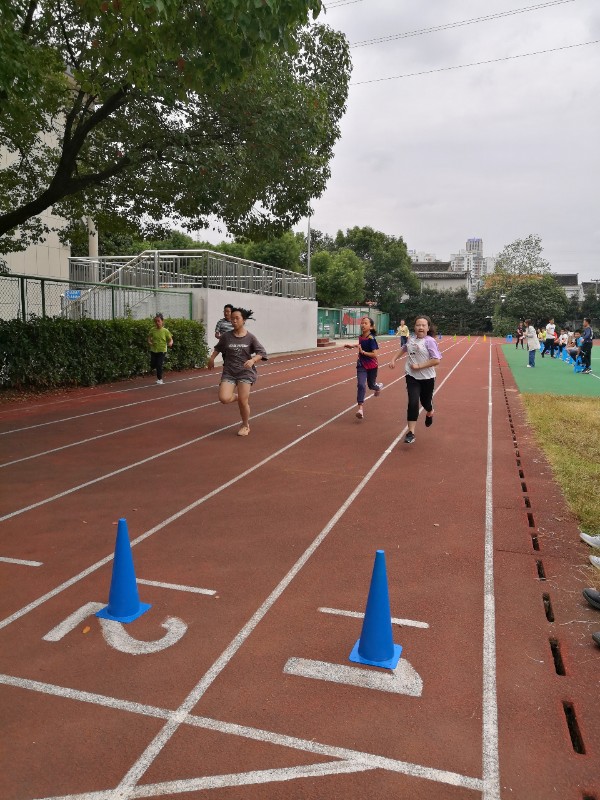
(25, 296)
(195, 269)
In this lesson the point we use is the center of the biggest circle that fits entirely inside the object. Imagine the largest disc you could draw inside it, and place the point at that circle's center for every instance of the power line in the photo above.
(341, 3)
(450, 25)
(476, 63)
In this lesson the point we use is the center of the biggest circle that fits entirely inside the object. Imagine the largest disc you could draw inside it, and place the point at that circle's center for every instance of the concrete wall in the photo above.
(282, 325)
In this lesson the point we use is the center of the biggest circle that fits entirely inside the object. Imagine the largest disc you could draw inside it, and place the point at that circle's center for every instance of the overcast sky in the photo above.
(496, 151)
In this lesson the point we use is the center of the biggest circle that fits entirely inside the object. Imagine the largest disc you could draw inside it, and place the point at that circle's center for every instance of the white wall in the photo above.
(282, 325)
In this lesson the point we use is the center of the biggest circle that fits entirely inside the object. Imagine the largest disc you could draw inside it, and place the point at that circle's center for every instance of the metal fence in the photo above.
(26, 296)
(339, 323)
(193, 268)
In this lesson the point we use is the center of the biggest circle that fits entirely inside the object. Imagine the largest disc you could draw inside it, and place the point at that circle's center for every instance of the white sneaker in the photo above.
(378, 389)
(528, 366)
(593, 541)
(595, 560)
(160, 383)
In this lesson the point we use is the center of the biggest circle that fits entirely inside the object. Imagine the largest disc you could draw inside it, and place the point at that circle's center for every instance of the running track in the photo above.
(256, 555)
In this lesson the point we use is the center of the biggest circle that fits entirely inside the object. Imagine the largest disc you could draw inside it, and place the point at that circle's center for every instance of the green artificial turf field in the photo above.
(552, 375)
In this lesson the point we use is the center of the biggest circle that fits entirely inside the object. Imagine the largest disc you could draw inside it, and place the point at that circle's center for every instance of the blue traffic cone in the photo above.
(123, 600)
(376, 645)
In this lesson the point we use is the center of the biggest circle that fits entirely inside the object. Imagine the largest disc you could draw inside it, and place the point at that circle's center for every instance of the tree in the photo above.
(522, 257)
(166, 109)
(539, 297)
(388, 273)
(282, 251)
(340, 278)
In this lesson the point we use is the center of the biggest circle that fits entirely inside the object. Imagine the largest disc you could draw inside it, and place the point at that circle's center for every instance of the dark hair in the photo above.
(527, 322)
(245, 312)
(227, 305)
(158, 315)
(432, 329)
(588, 320)
(371, 321)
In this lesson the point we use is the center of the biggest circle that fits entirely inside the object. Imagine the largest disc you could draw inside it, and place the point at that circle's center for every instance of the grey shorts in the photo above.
(235, 381)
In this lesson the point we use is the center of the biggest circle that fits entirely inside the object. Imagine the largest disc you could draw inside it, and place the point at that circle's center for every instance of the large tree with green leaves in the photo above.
(155, 109)
(340, 277)
(538, 297)
(388, 273)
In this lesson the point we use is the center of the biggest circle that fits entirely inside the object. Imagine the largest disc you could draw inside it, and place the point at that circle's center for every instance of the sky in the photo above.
(496, 151)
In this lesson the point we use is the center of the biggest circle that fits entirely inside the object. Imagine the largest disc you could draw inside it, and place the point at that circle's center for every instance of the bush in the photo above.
(50, 353)
(501, 326)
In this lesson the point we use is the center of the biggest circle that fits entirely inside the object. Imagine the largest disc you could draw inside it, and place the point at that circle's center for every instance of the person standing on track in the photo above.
(241, 352)
(158, 339)
(532, 342)
(423, 358)
(224, 325)
(403, 332)
(367, 363)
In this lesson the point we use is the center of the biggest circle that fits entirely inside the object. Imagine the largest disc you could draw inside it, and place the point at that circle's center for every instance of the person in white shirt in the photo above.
(549, 343)
(562, 341)
(531, 338)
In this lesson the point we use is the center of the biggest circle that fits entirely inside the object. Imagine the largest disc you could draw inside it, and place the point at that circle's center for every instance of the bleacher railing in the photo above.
(168, 269)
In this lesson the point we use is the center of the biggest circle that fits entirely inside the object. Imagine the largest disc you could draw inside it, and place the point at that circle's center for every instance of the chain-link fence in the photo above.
(26, 296)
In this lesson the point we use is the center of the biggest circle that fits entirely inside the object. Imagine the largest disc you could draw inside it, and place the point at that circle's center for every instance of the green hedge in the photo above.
(47, 353)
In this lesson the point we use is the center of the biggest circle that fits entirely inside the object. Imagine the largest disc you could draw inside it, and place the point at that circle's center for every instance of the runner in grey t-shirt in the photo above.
(241, 351)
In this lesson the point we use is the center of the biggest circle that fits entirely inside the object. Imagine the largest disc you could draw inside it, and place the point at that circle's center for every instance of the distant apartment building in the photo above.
(421, 257)
(472, 260)
(570, 283)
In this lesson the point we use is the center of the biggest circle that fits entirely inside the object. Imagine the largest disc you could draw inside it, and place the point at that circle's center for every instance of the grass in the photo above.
(568, 431)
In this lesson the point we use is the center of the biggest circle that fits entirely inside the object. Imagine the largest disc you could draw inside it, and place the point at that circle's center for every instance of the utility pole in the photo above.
(308, 250)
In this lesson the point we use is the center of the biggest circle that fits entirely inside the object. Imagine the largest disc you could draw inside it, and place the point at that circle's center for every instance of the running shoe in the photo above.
(593, 541)
(359, 413)
(409, 438)
(595, 561)
(160, 383)
(428, 421)
(379, 387)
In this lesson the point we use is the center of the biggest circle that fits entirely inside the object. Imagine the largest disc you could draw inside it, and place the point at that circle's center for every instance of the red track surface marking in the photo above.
(279, 526)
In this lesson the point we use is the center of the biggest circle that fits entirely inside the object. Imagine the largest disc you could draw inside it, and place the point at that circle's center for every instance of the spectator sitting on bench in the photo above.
(574, 351)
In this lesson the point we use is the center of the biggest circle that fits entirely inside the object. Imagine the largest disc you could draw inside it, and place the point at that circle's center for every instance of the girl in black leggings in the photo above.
(423, 356)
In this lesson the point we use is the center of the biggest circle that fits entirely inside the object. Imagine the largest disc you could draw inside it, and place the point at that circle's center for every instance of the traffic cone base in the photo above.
(123, 599)
(390, 663)
(105, 614)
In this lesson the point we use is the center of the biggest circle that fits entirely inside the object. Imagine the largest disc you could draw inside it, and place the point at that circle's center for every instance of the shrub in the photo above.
(50, 353)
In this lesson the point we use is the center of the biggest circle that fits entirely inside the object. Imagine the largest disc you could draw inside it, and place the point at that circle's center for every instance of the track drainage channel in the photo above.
(574, 732)
(556, 655)
(548, 607)
(541, 571)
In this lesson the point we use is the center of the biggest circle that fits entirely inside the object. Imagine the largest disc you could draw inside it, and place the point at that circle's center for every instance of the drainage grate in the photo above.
(559, 665)
(530, 519)
(534, 542)
(540, 570)
(574, 732)
(548, 607)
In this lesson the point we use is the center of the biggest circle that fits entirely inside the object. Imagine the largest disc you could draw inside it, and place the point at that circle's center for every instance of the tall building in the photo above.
(472, 260)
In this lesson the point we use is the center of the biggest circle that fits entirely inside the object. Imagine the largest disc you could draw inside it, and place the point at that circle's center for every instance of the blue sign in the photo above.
(73, 294)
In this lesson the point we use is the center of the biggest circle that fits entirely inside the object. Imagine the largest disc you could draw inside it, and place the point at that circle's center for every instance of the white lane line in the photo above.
(491, 766)
(21, 561)
(403, 679)
(84, 573)
(413, 623)
(178, 586)
(162, 418)
(85, 697)
(371, 760)
(164, 397)
(155, 747)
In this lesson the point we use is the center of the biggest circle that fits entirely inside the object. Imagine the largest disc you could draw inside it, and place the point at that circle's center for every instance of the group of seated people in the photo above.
(571, 340)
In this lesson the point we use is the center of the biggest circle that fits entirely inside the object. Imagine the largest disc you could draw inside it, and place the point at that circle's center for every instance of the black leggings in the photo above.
(156, 362)
(418, 391)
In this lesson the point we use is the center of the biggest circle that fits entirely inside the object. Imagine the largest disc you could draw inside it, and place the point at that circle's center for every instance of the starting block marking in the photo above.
(404, 679)
(115, 634)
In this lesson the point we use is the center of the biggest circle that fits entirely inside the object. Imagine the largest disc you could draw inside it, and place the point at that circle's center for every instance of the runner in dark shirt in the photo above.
(241, 351)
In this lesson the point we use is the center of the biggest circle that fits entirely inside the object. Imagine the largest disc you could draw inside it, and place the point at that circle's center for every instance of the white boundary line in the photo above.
(412, 623)
(369, 760)
(490, 756)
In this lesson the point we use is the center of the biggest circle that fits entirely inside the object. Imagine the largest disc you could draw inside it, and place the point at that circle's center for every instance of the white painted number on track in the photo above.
(115, 634)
